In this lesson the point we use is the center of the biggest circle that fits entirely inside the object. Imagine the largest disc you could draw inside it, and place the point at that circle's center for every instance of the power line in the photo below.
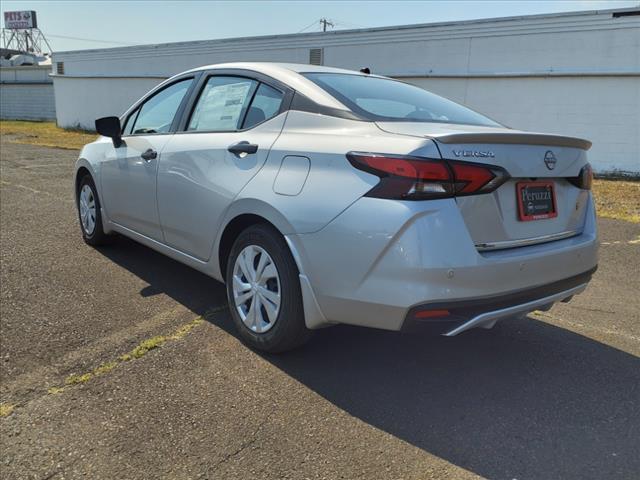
(308, 26)
(348, 24)
(88, 40)
(324, 23)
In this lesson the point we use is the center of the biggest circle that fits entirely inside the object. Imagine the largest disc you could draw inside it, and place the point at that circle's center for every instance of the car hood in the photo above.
(476, 134)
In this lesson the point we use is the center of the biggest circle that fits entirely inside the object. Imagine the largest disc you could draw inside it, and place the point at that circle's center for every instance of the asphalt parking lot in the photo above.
(552, 396)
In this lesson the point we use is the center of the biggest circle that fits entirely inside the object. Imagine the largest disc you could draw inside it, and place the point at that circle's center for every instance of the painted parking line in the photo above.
(636, 241)
(144, 347)
(579, 326)
(33, 190)
(45, 165)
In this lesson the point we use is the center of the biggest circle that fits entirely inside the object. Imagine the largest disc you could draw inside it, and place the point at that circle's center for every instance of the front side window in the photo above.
(156, 114)
(222, 104)
(128, 123)
(386, 100)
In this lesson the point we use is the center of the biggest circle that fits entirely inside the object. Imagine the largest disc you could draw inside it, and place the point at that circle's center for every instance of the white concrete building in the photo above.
(26, 93)
(572, 73)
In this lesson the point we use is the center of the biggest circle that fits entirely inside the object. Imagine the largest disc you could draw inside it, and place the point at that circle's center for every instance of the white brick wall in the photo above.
(27, 102)
(604, 110)
(80, 101)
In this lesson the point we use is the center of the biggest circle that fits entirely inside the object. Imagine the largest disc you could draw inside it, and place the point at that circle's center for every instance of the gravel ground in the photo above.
(551, 396)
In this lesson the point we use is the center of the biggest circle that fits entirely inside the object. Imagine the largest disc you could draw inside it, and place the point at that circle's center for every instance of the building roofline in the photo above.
(334, 33)
(43, 66)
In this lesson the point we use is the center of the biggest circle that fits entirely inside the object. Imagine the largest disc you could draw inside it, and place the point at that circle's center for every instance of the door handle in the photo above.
(149, 154)
(243, 147)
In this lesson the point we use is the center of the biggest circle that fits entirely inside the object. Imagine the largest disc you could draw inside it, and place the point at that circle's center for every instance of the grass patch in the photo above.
(159, 340)
(139, 351)
(46, 134)
(6, 409)
(105, 368)
(85, 377)
(617, 199)
(75, 379)
(183, 330)
(144, 347)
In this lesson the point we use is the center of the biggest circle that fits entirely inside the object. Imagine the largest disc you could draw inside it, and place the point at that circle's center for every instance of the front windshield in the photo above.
(386, 100)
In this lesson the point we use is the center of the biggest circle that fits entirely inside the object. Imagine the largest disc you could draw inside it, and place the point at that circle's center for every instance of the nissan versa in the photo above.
(323, 196)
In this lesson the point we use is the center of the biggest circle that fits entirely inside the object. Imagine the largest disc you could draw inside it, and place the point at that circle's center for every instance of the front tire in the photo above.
(89, 213)
(264, 293)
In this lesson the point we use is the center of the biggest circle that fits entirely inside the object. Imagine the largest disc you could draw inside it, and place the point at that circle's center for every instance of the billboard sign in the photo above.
(23, 19)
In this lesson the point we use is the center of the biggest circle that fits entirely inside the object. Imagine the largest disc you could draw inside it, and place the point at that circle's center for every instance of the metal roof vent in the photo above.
(60, 68)
(316, 56)
(626, 13)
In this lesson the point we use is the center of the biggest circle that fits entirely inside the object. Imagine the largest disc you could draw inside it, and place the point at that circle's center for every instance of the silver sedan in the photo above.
(324, 196)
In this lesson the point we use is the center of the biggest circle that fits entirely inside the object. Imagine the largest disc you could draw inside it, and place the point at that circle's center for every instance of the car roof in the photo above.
(276, 66)
(290, 74)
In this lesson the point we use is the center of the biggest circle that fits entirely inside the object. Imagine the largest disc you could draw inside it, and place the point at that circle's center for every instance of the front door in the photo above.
(129, 172)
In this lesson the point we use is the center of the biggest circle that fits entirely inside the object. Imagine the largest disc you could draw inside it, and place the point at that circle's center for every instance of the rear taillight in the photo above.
(584, 178)
(416, 178)
(405, 177)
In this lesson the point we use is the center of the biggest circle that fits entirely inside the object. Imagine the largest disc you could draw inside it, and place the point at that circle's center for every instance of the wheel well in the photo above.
(82, 172)
(231, 232)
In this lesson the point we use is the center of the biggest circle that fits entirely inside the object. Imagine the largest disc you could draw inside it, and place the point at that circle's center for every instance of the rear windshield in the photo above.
(386, 100)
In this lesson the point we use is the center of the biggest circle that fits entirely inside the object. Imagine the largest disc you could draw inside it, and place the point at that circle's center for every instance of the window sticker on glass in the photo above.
(221, 104)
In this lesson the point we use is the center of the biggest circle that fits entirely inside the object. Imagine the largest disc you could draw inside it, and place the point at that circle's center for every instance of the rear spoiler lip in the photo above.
(514, 138)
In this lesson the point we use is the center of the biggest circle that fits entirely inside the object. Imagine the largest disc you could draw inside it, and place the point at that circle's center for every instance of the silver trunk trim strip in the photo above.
(526, 241)
(489, 318)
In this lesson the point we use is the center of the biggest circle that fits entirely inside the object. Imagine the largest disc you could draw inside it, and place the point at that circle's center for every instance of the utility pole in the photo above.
(324, 22)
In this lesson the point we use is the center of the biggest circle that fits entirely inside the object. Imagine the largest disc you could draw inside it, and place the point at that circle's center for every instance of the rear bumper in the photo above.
(380, 259)
(484, 312)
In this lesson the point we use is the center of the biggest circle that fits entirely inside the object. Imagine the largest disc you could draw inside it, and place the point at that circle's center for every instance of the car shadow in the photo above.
(526, 400)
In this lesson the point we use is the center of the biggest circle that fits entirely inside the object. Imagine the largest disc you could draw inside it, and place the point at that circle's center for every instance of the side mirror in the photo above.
(110, 127)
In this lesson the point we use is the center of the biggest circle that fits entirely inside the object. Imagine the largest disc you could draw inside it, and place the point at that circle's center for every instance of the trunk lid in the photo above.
(493, 219)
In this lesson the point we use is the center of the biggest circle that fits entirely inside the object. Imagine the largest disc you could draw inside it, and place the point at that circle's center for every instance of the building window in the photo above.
(316, 56)
(60, 68)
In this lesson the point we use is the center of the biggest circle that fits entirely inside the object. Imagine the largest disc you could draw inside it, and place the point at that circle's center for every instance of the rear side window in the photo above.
(157, 113)
(265, 105)
(386, 100)
(222, 104)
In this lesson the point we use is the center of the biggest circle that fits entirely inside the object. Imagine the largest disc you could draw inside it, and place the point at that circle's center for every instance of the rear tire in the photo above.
(89, 213)
(263, 288)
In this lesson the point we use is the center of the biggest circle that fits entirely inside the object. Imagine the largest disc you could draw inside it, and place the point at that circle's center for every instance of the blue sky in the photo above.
(72, 25)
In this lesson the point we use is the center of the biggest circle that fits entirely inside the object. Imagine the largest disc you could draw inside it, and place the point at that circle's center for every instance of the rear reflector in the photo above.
(431, 313)
(416, 178)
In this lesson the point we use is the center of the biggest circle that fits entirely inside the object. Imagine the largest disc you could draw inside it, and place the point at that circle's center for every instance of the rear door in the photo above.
(128, 173)
(225, 139)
